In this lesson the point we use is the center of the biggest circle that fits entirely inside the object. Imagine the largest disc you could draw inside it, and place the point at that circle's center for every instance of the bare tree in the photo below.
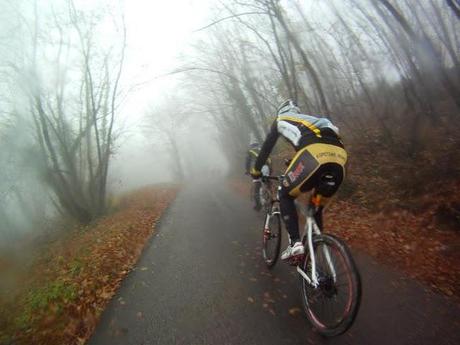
(455, 6)
(73, 109)
(164, 124)
(425, 45)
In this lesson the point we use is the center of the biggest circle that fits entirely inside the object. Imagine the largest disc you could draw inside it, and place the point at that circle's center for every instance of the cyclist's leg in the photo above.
(325, 182)
(304, 173)
(289, 215)
(302, 166)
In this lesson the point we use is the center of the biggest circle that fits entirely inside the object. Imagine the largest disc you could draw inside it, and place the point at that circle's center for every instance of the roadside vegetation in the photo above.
(60, 296)
(387, 73)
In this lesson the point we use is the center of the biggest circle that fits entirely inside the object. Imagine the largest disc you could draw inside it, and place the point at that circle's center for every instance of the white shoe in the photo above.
(293, 250)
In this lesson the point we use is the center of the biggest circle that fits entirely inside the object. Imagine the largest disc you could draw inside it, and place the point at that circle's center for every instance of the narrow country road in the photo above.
(200, 280)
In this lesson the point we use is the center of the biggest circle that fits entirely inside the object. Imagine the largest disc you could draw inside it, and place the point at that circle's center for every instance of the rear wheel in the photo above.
(271, 239)
(332, 306)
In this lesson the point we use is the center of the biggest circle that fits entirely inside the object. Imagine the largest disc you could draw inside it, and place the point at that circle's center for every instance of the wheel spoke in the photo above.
(330, 305)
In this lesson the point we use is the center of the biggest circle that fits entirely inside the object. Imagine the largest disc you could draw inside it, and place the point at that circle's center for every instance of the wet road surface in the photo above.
(201, 280)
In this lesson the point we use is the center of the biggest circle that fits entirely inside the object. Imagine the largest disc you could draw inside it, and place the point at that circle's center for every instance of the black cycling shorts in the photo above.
(308, 167)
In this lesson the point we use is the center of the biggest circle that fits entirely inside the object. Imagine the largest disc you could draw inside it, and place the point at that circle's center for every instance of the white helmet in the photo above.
(288, 106)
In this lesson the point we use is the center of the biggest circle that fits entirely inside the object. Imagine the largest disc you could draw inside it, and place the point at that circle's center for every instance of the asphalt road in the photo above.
(201, 280)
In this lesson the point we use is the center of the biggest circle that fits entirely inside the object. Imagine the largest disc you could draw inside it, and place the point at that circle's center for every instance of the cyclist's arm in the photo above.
(267, 146)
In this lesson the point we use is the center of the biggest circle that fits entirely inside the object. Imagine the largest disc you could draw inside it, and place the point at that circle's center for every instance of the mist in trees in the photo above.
(60, 93)
(386, 72)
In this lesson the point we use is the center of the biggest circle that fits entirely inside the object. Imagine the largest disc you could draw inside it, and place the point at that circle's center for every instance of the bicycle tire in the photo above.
(271, 240)
(354, 279)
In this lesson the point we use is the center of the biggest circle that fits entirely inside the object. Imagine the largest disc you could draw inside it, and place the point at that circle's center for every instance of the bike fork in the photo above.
(326, 252)
(266, 228)
(267, 231)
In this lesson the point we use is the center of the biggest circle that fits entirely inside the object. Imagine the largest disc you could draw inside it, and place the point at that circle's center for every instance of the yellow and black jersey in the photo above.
(299, 130)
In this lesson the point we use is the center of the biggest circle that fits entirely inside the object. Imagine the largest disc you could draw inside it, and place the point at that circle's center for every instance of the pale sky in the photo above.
(158, 32)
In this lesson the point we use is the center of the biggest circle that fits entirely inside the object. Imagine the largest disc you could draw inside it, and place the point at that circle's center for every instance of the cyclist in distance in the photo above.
(251, 158)
(319, 161)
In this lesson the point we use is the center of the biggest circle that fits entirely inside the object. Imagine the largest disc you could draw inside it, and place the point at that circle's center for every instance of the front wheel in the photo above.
(332, 306)
(271, 238)
(265, 198)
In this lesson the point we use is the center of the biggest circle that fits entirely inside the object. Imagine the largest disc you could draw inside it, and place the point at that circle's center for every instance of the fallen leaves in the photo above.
(295, 311)
(374, 221)
(106, 294)
(95, 261)
(401, 240)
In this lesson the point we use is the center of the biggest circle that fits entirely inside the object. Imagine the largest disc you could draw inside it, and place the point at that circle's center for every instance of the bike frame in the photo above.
(274, 209)
(265, 189)
(310, 229)
(316, 268)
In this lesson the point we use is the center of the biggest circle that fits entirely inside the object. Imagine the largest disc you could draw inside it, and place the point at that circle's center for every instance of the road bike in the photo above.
(265, 192)
(265, 195)
(330, 282)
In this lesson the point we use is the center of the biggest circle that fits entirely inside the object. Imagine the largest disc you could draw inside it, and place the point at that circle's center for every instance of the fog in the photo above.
(142, 160)
(100, 100)
(138, 158)
(100, 97)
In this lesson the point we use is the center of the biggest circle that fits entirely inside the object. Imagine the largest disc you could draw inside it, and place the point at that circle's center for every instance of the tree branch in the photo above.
(229, 17)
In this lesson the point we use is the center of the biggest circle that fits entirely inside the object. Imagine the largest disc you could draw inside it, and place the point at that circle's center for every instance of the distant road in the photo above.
(201, 281)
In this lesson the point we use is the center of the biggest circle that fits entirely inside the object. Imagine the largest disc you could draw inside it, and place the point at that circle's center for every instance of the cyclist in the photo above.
(251, 158)
(319, 162)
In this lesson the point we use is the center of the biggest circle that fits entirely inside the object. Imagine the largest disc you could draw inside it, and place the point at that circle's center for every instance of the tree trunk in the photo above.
(308, 66)
(425, 44)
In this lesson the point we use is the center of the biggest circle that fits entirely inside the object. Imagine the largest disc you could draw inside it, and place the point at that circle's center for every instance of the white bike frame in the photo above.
(310, 228)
